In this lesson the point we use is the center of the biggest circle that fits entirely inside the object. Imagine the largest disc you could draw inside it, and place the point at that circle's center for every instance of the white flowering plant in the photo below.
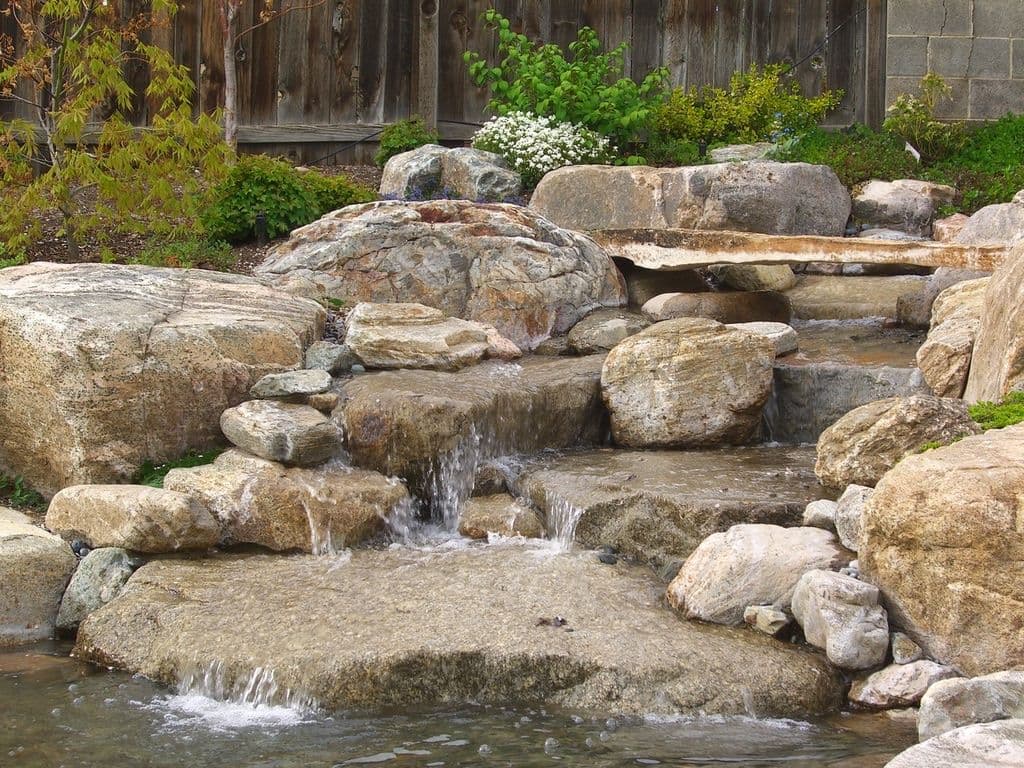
(532, 146)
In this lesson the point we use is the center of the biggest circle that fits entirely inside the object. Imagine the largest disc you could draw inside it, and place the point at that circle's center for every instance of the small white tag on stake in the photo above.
(910, 148)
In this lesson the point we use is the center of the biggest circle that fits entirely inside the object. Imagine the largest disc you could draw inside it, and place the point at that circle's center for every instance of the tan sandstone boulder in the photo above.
(945, 356)
(869, 441)
(35, 567)
(997, 366)
(502, 265)
(104, 366)
(291, 433)
(313, 510)
(133, 517)
(501, 514)
(942, 539)
(687, 382)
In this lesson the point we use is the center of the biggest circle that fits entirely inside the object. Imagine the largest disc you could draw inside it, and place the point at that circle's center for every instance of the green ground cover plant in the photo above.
(287, 197)
(153, 474)
(16, 493)
(1006, 413)
(404, 136)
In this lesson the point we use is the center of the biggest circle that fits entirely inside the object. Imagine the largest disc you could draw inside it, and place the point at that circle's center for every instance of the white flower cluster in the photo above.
(533, 146)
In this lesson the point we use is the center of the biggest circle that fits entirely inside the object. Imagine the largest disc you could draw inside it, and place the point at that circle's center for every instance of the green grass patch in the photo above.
(998, 415)
(16, 493)
(153, 474)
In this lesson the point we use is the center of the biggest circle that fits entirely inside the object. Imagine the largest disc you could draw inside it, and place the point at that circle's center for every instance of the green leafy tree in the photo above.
(78, 153)
(588, 88)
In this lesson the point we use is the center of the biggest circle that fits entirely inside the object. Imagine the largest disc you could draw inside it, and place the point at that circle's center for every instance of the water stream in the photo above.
(72, 715)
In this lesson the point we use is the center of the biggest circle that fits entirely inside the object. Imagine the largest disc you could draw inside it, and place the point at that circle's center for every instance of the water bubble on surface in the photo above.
(484, 750)
(551, 745)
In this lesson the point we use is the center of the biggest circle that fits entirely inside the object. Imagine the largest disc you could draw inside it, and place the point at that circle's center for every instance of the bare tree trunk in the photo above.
(229, 26)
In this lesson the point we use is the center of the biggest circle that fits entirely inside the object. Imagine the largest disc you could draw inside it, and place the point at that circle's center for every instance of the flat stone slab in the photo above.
(659, 505)
(405, 627)
(672, 249)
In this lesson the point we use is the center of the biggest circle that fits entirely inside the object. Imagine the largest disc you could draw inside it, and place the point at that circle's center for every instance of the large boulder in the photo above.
(501, 265)
(432, 170)
(905, 205)
(945, 356)
(915, 308)
(98, 580)
(35, 567)
(722, 306)
(942, 539)
(768, 197)
(997, 365)
(402, 628)
(988, 745)
(134, 517)
(658, 506)
(688, 382)
(841, 615)
(963, 701)
(104, 366)
(899, 685)
(750, 565)
(870, 440)
(313, 510)
(291, 433)
(1002, 224)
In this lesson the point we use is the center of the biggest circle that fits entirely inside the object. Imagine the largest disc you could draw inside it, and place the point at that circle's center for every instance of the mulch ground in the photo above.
(126, 247)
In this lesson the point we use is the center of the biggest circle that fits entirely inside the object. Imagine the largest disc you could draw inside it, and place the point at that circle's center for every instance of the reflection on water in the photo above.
(58, 712)
(855, 342)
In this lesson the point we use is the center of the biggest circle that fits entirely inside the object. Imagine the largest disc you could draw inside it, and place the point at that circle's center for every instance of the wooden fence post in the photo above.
(426, 88)
(874, 75)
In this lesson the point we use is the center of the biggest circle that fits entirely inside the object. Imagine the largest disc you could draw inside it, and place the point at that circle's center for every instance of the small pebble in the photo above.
(607, 558)
(550, 745)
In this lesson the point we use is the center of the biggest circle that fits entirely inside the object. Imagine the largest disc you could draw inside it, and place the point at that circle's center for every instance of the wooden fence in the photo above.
(318, 78)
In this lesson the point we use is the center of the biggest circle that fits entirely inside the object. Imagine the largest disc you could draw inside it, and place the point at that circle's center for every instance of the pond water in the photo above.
(60, 712)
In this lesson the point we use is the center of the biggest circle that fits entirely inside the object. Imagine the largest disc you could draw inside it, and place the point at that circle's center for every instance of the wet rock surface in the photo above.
(828, 297)
(434, 429)
(98, 580)
(502, 265)
(991, 745)
(106, 366)
(358, 646)
(658, 506)
(499, 514)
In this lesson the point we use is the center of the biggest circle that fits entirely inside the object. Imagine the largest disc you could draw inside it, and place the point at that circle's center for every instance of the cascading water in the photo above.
(562, 519)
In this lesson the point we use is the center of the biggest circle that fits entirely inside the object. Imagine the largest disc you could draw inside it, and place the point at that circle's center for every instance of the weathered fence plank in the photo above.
(333, 66)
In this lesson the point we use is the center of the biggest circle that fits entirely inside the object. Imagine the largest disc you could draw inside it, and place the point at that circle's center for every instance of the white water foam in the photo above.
(562, 519)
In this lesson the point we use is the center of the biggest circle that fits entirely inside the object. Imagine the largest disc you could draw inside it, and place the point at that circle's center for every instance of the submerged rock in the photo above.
(106, 366)
(990, 745)
(285, 432)
(133, 517)
(942, 539)
(435, 429)
(842, 616)
(314, 510)
(759, 196)
(657, 506)
(750, 565)
(406, 628)
(35, 567)
(689, 382)
(899, 685)
(98, 580)
(500, 514)
(955, 703)
(870, 440)
(500, 265)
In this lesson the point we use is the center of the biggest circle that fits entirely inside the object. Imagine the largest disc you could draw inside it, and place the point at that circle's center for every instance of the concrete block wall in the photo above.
(976, 45)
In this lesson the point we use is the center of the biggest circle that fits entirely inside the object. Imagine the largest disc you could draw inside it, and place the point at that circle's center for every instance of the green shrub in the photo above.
(403, 136)
(187, 254)
(989, 168)
(998, 415)
(9, 257)
(913, 119)
(759, 105)
(289, 198)
(590, 88)
(15, 492)
(666, 151)
(856, 154)
(153, 474)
